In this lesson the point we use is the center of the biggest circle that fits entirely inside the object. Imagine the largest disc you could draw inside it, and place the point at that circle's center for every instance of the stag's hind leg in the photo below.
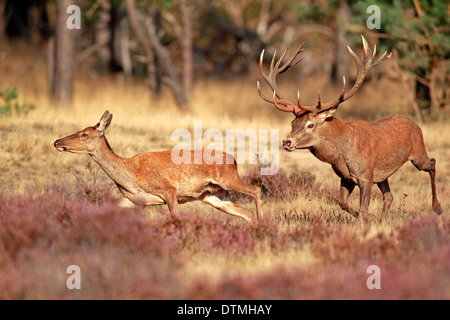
(387, 197)
(429, 165)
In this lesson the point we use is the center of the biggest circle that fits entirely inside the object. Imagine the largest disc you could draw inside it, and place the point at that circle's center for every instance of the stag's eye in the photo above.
(84, 134)
(311, 125)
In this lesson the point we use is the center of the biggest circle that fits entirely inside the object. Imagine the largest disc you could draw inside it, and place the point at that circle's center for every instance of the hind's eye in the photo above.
(311, 125)
(84, 134)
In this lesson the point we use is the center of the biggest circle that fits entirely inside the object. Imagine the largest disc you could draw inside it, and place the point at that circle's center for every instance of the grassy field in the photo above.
(55, 208)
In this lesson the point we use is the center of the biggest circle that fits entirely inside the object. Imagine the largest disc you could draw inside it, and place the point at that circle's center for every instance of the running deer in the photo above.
(360, 153)
(152, 177)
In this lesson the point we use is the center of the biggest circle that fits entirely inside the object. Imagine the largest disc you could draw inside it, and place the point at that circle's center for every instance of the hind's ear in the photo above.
(105, 121)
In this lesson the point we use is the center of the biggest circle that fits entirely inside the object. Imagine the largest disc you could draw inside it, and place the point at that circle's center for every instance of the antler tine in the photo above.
(280, 104)
(272, 63)
(385, 56)
(362, 67)
(270, 78)
(258, 87)
(319, 101)
(277, 65)
(302, 108)
(290, 63)
(341, 96)
(288, 106)
(355, 57)
(367, 51)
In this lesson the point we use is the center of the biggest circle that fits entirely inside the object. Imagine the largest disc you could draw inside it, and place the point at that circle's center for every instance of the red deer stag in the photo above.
(152, 177)
(360, 153)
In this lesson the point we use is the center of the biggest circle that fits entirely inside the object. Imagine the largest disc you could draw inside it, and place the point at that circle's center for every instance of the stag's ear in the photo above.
(105, 121)
(321, 117)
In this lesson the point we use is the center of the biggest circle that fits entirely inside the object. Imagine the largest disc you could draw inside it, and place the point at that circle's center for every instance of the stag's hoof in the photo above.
(437, 208)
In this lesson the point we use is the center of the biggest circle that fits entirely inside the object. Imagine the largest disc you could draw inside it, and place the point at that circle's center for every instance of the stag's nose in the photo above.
(286, 143)
(56, 143)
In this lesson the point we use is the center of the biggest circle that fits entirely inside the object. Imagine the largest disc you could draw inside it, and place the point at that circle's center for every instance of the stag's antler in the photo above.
(271, 79)
(299, 109)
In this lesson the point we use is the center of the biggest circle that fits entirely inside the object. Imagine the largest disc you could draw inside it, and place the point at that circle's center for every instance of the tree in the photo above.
(2, 24)
(62, 56)
(418, 31)
(187, 46)
(148, 37)
(330, 19)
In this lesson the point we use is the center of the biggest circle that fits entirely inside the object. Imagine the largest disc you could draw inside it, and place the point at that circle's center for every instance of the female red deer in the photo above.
(360, 153)
(152, 177)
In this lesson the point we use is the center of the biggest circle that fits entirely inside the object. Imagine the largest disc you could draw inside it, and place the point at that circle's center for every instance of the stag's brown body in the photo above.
(370, 151)
(360, 153)
(153, 178)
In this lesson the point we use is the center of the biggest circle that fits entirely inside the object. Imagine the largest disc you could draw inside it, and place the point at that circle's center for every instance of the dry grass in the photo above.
(308, 248)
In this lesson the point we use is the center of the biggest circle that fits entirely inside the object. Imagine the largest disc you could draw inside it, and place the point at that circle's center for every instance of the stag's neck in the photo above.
(334, 141)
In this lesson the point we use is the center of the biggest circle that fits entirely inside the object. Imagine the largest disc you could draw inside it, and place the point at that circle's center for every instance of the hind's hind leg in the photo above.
(429, 165)
(227, 206)
(235, 183)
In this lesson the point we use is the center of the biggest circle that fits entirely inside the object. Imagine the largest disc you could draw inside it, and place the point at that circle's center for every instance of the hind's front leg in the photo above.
(170, 197)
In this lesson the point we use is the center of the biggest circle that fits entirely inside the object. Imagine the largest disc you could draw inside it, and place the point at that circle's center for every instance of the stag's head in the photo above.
(309, 119)
(87, 140)
(304, 130)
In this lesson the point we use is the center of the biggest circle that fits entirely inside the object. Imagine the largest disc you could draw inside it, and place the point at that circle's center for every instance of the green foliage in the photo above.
(415, 37)
(9, 104)
(417, 31)
(316, 11)
(419, 34)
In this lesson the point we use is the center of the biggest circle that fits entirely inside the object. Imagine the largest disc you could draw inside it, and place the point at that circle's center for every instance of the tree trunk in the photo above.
(170, 76)
(187, 47)
(63, 57)
(117, 14)
(102, 36)
(435, 103)
(125, 55)
(342, 58)
(153, 46)
(2, 25)
(138, 30)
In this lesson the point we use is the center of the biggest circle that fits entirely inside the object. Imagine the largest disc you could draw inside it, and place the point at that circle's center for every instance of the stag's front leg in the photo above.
(344, 192)
(365, 187)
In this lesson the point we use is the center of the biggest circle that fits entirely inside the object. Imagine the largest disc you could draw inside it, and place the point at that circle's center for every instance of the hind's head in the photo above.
(86, 140)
